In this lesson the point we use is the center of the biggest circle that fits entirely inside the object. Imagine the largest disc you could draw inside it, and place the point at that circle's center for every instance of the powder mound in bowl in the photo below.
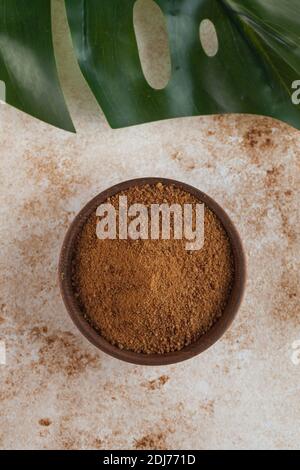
(152, 296)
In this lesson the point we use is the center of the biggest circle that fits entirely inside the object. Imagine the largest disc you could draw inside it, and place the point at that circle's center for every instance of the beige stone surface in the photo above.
(57, 390)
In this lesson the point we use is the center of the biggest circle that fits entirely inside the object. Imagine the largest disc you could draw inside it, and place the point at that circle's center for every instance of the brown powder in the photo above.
(156, 383)
(152, 442)
(153, 296)
(44, 422)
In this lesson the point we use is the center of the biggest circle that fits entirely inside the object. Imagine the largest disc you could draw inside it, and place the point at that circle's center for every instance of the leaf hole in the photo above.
(2, 91)
(209, 38)
(152, 40)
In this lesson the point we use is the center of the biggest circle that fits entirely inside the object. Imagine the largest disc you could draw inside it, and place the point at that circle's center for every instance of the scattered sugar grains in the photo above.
(153, 296)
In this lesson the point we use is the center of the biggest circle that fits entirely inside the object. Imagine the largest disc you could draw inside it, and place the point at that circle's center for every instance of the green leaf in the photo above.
(253, 71)
(27, 62)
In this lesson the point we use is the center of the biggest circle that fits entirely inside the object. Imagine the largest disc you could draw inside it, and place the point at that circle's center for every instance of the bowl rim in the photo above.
(208, 338)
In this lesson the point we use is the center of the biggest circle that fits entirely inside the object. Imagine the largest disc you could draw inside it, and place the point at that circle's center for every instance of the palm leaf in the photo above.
(253, 71)
(27, 63)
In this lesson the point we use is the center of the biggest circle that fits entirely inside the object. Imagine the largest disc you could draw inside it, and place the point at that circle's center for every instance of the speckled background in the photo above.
(57, 390)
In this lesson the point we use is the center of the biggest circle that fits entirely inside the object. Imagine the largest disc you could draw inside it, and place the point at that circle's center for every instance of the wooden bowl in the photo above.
(207, 339)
